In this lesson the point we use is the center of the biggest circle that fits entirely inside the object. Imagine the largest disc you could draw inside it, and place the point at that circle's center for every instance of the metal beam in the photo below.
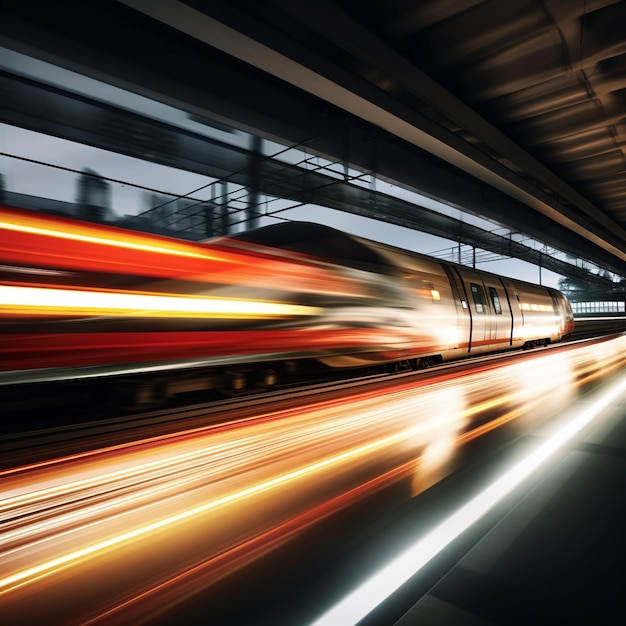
(377, 108)
(53, 111)
(204, 82)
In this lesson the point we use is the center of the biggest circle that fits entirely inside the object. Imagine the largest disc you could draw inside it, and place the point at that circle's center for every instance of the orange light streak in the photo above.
(86, 234)
(226, 493)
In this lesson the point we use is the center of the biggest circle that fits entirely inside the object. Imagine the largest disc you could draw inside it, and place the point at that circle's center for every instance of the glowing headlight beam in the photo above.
(365, 598)
(39, 300)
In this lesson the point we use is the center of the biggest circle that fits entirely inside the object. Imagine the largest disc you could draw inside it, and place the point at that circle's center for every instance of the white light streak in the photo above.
(365, 598)
(83, 302)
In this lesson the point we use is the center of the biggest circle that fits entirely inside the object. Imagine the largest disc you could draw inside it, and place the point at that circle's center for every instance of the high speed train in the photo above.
(81, 301)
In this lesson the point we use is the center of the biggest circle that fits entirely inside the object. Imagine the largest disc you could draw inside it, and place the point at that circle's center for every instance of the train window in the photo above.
(477, 294)
(495, 299)
(429, 291)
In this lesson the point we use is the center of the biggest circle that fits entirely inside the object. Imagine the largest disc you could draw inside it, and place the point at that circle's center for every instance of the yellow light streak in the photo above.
(492, 424)
(99, 479)
(236, 481)
(131, 245)
(44, 301)
(32, 574)
(483, 429)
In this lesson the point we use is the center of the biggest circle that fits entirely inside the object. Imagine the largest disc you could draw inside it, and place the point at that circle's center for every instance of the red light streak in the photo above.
(34, 240)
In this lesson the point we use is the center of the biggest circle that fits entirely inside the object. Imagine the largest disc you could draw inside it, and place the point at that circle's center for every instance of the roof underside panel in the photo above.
(520, 101)
(551, 75)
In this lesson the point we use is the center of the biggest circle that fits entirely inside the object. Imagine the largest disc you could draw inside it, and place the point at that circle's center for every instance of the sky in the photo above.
(33, 179)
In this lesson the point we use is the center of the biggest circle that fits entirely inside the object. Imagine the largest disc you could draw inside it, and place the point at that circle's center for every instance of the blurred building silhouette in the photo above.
(94, 198)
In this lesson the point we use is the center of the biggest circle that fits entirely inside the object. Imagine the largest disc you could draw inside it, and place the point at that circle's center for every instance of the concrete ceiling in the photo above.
(517, 106)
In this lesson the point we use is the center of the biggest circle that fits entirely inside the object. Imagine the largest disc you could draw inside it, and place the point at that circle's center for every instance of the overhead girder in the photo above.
(538, 187)
(159, 62)
(49, 110)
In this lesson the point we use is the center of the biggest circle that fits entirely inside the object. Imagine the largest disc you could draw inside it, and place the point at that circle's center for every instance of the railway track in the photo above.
(75, 424)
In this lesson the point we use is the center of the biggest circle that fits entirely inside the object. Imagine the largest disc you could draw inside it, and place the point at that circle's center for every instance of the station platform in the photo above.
(554, 552)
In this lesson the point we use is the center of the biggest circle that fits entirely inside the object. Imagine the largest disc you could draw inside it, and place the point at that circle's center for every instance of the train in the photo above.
(157, 317)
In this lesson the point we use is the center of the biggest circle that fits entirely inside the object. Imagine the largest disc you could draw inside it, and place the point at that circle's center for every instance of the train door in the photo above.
(511, 293)
(480, 310)
(501, 322)
(463, 312)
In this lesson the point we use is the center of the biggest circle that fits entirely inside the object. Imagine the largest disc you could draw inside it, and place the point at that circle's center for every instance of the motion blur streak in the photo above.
(33, 300)
(30, 246)
(190, 461)
(54, 565)
(125, 532)
(91, 235)
(376, 589)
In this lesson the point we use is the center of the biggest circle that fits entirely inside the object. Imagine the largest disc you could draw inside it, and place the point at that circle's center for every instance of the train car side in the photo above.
(469, 312)
(85, 301)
